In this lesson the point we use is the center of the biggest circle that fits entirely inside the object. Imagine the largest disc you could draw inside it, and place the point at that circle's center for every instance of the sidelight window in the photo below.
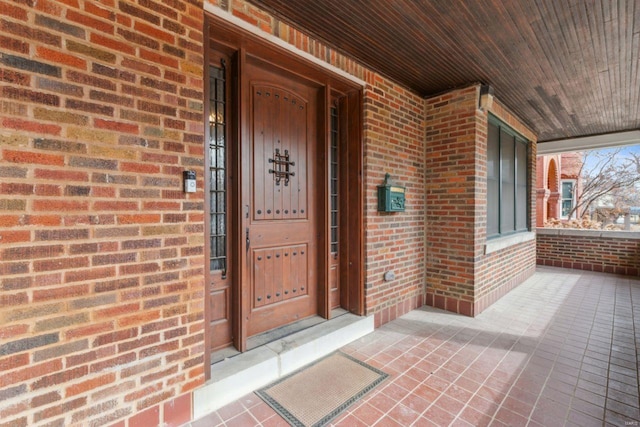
(333, 159)
(218, 168)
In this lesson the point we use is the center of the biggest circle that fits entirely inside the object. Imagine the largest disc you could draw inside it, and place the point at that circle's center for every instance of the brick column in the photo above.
(552, 205)
(462, 276)
(451, 194)
(542, 195)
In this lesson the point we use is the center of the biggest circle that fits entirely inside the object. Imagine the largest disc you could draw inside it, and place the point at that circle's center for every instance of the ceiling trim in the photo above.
(222, 14)
(590, 142)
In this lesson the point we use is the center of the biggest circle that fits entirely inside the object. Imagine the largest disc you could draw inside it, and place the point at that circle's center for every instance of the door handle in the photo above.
(248, 242)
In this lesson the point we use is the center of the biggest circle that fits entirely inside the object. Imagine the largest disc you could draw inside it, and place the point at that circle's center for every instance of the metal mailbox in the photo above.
(391, 197)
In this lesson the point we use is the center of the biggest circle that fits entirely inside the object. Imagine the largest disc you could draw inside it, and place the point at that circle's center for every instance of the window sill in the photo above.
(500, 243)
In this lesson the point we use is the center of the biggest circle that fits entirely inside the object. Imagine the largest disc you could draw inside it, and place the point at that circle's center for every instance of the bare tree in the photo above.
(608, 175)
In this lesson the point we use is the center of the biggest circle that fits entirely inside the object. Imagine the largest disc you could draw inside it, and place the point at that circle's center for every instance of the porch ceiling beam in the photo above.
(590, 142)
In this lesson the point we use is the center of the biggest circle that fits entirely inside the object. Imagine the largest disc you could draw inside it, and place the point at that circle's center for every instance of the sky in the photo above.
(624, 153)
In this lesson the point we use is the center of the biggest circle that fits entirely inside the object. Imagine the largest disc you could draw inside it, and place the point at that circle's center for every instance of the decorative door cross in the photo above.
(281, 167)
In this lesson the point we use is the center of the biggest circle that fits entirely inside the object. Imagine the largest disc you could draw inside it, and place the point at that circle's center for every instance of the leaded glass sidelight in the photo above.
(333, 159)
(218, 168)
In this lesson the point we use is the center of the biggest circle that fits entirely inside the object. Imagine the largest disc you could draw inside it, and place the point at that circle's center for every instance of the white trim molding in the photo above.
(589, 142)
(594, 234)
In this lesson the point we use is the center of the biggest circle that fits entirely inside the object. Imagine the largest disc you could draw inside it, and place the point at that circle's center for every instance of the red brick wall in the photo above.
(394, 144)
(101, 265)
(460, 277)
(499, 272)
(101, 253)
(571, 165)
(547, 187)
(452, 187)
(590, 250)
(101, 268)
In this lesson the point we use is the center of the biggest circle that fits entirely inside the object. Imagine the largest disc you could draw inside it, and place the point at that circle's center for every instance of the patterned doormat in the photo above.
(314, 395)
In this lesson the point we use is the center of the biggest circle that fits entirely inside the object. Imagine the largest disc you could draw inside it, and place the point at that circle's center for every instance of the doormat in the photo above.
(314, 395)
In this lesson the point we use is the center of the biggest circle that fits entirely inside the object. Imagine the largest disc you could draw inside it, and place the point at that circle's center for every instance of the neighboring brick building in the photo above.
(106, 315)
(558, 186)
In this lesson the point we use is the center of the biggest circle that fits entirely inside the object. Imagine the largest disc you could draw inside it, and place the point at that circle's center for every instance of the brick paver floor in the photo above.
(561, 349)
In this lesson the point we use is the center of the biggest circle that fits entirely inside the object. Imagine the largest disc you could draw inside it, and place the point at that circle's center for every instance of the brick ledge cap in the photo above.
(633, 235)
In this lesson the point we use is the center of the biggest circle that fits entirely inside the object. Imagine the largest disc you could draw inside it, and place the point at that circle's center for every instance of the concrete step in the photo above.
(242, 374)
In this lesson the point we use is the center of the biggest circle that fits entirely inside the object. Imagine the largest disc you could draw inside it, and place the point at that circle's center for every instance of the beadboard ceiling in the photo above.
(568, 68)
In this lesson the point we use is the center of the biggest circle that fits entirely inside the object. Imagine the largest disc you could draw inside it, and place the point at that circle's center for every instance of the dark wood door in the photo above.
(280, 277)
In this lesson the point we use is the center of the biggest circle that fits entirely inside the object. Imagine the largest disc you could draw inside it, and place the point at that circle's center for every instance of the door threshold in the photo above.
(274, 335)
(292, 328)
(243, 373)
(223, 354)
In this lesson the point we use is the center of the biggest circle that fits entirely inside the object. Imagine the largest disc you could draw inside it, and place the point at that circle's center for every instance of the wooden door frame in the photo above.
(238, 43)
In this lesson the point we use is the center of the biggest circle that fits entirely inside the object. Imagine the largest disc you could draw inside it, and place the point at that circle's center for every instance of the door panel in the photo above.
(279, 155)
(279, 274)
(281, 231)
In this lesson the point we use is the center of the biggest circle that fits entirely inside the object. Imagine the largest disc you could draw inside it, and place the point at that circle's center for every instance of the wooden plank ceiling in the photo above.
(569, 68)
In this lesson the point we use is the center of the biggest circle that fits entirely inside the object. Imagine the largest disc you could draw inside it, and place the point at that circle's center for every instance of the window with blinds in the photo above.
(507, 178)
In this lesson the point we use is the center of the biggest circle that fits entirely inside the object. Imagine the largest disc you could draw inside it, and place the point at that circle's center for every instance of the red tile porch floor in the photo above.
(561, 349)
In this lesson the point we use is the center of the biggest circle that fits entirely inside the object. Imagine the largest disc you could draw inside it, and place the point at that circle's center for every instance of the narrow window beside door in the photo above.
(334, 180)
(217, 169)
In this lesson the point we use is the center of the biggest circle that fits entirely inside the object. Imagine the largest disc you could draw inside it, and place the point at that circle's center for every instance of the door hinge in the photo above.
(248, 242)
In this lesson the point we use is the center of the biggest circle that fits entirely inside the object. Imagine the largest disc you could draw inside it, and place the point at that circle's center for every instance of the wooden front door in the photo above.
(285, 144)
(278, 171)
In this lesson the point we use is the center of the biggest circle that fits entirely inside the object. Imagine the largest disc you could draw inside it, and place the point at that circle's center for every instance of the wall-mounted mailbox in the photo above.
(391, 197)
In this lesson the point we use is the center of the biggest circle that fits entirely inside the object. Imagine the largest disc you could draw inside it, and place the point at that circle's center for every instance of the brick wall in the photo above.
(394, 144)
(452, 187)
(101, 253)
(461, 276)
(101, 268)
(500, 271)
(551, 169)
(591, 250)
(547, 187)
(571, 165)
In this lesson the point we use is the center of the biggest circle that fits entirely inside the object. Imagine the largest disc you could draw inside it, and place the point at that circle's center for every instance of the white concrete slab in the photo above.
(242, 374)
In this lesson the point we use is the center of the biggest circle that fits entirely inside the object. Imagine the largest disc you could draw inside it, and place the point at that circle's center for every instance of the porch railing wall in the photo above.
(593, 250)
